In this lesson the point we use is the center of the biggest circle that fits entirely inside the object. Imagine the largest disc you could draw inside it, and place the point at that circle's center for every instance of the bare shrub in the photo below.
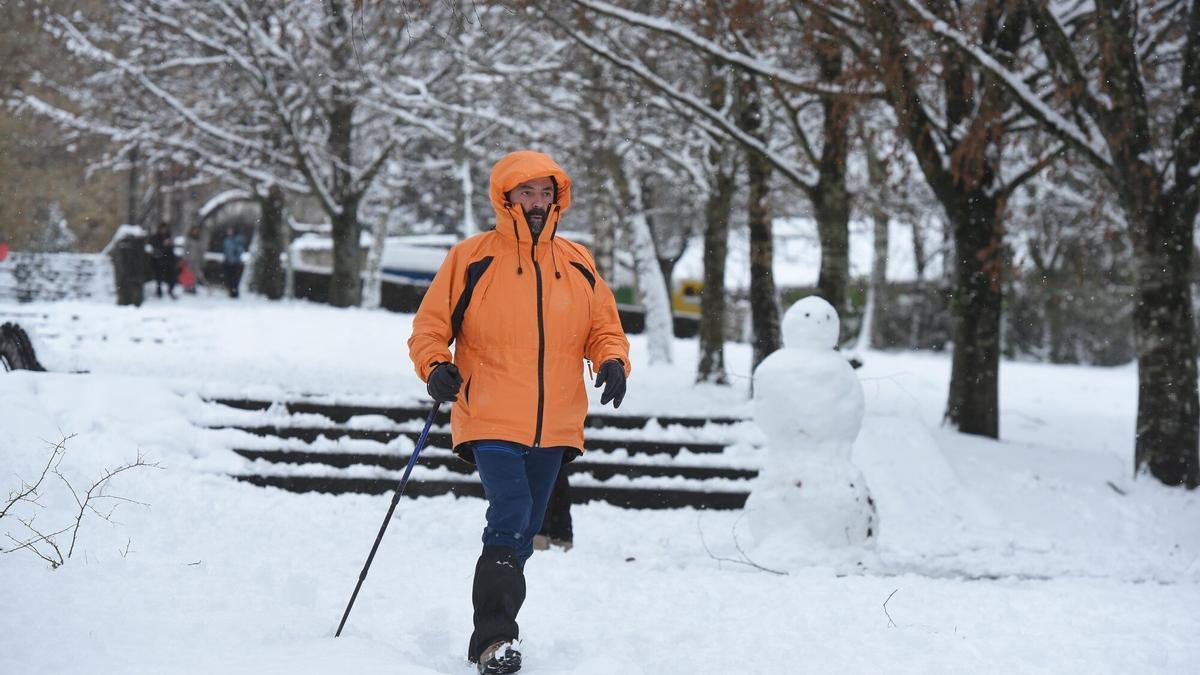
(49, 543)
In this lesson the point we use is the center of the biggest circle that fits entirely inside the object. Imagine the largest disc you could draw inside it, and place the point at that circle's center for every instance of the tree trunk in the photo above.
(722, 182)
(660, 328)
(469, 227)
(268, 271)
(652, 292)
(654, 296)
(832, 212)
(870, 333)
(712, 296)
(764, 305)
(667, 267)
(602, 211)
(1168, 418)
(917, 321)
(604, 237)
(373, 283)
(345, 286)
(973, 406)
(132, 188)
(1162, 222)
(129, 264)
(831, 204)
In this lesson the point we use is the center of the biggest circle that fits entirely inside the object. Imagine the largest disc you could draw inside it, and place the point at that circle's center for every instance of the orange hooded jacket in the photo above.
(524, 312)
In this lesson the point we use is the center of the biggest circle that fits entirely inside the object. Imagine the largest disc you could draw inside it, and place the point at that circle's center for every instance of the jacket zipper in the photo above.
(541, 375)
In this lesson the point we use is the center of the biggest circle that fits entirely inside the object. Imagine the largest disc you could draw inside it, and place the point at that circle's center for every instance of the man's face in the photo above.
(534, 196)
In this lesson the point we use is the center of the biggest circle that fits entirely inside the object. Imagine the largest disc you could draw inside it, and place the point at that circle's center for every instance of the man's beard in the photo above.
(536, 219)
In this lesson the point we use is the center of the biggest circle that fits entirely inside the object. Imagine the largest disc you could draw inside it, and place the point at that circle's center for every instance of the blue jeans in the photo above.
(517, 481)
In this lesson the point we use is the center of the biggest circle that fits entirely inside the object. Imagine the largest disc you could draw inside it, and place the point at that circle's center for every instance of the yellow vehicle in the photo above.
(685, 299)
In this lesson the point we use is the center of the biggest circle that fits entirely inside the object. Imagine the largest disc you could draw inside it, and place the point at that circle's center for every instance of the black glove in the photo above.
(444, 382)
(612, 377)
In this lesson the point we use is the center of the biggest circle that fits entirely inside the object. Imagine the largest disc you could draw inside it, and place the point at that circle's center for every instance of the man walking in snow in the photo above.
(524, 308)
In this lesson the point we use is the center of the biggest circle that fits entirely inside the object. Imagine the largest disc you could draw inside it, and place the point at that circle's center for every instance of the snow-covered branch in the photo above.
(1081, 139)
(805, 178)
(744, 61)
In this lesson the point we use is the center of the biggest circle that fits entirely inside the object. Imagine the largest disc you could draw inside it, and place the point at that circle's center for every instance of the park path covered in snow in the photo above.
(1038, 553)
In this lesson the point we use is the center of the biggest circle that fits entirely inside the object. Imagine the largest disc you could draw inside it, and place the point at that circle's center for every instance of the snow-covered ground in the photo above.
(1038, 553)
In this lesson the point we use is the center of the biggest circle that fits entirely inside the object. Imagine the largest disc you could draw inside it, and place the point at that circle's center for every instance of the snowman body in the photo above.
(809, 404)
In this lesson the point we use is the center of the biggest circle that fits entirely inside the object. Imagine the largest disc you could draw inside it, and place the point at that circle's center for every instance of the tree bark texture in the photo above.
(831, 203)
(722, 182)
(764, 303)
(878, 289)
(602, 211)
(973, 406)
(712, 297)
(268, 270)
(1165, 336)
(132, 188)
(1162, 221)
(345, 286)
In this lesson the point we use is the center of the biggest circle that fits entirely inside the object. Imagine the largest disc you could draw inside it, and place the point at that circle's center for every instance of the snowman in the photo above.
(809, 404)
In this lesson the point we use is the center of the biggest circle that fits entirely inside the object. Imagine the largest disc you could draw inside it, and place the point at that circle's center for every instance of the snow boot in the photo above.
(497, 595)
(542, 542)
(501, 657)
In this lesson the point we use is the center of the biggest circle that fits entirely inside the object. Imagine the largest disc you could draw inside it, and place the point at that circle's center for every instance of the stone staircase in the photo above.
(631, 461)
(48, 277)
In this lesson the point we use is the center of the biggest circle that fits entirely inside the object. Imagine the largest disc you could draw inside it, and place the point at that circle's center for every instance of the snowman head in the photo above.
(810, 323)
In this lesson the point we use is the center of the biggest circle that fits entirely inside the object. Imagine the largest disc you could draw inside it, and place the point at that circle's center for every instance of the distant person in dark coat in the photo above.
(166, 265)
(235, 247)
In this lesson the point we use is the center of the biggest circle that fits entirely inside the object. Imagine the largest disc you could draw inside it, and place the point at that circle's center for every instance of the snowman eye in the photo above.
(806, 315)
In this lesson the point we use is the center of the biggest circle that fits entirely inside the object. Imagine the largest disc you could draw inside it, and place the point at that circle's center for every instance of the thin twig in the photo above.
(745, 561)
(99, 485)
(86, 502)
(738, 546)
(59, 450)
(891, 624)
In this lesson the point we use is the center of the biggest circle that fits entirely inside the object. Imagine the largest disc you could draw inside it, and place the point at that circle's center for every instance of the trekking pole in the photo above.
(412, 461)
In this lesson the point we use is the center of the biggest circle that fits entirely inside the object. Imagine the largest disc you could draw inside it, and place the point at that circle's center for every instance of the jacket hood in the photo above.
(516, 168)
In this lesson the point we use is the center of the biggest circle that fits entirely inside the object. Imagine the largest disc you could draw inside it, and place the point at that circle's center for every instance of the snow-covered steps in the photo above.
(443, 439)
(340, 447)
(625, 497)
(340, 412)
(597, 470)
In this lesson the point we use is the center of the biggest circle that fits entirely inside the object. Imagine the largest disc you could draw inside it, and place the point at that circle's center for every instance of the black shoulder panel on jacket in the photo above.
(474, 273)
(587, 274)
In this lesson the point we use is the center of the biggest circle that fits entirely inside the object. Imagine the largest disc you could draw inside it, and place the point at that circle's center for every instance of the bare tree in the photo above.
(1116, 81)
(786, 51)
(955, 119)
(269, 94)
